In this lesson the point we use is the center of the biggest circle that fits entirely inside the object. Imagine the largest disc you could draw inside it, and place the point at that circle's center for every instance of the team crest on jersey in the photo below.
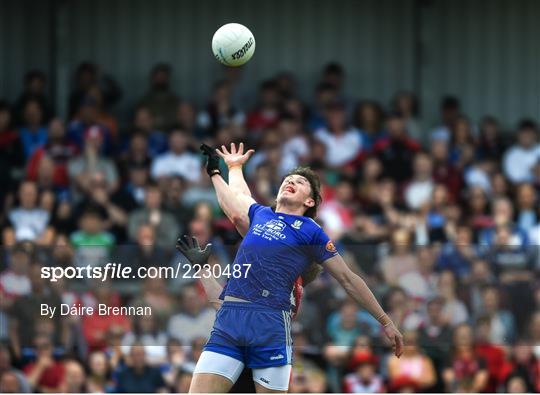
(297, 224)
(330, 247)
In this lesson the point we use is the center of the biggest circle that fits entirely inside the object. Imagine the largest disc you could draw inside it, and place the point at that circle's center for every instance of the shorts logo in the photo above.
(265, 293)
(264, 380)
(297, 224)
(279, 356)
(330, 247)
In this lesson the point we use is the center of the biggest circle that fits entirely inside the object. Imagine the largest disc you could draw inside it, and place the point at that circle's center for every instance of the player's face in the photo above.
(296, 189)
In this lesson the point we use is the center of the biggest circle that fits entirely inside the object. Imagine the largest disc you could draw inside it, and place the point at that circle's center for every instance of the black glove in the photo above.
(189, 247)
(212, 163)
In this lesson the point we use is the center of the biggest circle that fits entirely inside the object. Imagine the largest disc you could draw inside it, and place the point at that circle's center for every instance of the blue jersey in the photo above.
(276, 249)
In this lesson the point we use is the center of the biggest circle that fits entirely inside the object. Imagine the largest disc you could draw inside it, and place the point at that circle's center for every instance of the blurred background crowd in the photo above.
(442, 221)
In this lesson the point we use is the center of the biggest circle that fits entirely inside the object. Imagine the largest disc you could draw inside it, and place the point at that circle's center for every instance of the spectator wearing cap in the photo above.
(368, 118)
(343, 143)
(396, 150)
(178, 161)
(144, 123)
(160, 99)
(520, 158)
(28, 221)
(165, 225)
(364, 378)
(81, 168)
(86, 123)
(33, 131)
(59, 150)
(413, 364)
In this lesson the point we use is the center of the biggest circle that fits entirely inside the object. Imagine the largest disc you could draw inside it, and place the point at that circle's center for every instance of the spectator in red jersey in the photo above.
(59, 150)
(266, 115)
(45, 374)
(397, 150)
(96, 327)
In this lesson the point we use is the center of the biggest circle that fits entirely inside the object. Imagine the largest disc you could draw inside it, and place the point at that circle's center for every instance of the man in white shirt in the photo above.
(178, 161)
(519, 159)
(419, 191)
(342, 144)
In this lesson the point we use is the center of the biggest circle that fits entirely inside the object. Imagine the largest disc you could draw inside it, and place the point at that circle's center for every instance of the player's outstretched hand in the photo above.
(212, 160)
(190, 248)
(395, 337)
(234, 158)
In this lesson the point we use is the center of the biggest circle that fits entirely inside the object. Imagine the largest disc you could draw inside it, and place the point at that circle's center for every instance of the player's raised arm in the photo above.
(235, 161)
(232, 199)
(360, 292)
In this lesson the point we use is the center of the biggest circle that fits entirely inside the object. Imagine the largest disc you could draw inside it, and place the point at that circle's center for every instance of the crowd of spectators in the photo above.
(442, 221)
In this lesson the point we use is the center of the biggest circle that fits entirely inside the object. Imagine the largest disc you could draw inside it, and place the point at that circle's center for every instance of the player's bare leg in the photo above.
(263, 390)
(209, 383)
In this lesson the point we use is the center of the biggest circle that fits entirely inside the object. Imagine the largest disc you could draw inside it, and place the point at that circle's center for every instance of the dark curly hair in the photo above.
(315, 184)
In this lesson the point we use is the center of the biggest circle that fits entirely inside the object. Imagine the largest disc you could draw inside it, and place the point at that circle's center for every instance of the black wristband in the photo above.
(212, 162)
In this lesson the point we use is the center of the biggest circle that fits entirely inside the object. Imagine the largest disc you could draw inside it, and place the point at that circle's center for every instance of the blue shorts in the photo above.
(254, 334)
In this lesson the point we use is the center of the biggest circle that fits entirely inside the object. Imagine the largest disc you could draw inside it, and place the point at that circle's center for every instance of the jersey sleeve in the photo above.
(322, 247)
(253, 210)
